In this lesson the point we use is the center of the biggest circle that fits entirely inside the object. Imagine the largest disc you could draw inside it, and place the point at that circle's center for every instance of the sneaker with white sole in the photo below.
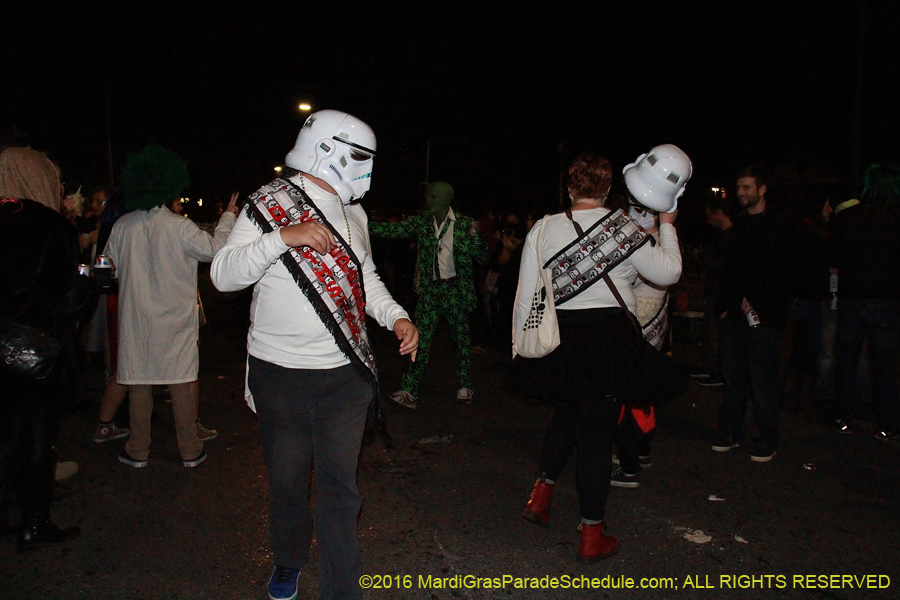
(762, 454)
(404, 398)
(190, 464)
(465, 396)
(107, 432)
(711, 382)
(204, 434)
(724, 443)
(622, 479)
(125, 458)
(283, 583)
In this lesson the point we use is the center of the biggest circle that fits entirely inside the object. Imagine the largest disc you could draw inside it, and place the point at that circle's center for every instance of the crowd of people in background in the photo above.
(818, 272)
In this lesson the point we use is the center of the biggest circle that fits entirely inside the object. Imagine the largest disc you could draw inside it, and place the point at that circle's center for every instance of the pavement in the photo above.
(441, 504)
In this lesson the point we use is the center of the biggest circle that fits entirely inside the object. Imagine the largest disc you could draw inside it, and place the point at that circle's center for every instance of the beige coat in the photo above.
(156, 254)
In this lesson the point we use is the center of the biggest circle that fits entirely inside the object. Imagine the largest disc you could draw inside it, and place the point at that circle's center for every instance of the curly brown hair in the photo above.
(590, 176)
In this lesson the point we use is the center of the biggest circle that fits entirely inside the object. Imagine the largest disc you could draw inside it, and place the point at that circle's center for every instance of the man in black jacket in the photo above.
(751, 305)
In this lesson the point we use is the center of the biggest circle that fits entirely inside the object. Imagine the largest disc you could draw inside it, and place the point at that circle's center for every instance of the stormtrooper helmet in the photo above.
(337, 148)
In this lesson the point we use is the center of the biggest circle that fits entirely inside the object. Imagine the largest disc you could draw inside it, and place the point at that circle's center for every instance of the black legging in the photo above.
(590, 425)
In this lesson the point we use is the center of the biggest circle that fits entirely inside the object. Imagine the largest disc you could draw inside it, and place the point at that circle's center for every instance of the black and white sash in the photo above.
(595, 253)
(332, 282)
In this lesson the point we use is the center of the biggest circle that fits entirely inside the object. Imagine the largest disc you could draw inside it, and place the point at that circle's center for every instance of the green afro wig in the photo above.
(153, 177)
(881, 185)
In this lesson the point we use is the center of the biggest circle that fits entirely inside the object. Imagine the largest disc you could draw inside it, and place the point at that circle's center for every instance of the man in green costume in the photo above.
(449, 246)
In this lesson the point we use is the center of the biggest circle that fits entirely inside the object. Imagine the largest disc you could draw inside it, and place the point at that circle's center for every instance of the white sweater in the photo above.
(284, 327)
(660, 264)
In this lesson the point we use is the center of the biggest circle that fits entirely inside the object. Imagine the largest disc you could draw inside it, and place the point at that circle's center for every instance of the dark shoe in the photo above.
(841, 426)
(711, 382)
(107, 432)
(283, 583)
(595, 544)
(724, 443)
(762, 454)
(887, 434)
(44, 533)
(624, 480)
(538, 508)
(125, 458)
(190, 464)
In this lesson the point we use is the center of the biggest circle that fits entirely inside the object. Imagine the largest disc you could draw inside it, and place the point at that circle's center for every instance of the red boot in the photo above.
(538, 508)
(596, 545)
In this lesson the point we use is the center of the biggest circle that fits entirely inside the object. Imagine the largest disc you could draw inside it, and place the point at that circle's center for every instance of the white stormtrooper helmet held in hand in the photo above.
(656, 179)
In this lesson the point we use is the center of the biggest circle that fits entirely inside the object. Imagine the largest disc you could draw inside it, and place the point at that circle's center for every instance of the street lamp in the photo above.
(304, 107)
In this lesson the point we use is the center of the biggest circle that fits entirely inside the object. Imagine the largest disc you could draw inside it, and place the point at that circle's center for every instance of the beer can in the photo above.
(84, 270)
(103, 261)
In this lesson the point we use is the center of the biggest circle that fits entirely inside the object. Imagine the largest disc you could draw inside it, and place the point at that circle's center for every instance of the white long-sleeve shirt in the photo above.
(284, 327)
(659, 264)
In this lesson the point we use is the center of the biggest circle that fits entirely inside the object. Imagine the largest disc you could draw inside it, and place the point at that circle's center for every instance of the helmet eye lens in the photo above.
(359, 155)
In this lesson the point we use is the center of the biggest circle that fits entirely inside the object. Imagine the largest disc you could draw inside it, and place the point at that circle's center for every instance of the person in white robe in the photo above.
(156, 253)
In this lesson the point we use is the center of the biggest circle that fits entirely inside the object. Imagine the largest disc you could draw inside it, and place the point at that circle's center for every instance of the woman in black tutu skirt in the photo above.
(601, 356)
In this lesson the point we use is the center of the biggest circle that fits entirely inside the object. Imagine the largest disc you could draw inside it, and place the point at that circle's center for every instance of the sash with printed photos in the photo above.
(331, 282)
(597, 251)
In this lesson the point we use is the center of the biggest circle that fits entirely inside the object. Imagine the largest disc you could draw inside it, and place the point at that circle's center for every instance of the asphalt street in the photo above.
(440, 516)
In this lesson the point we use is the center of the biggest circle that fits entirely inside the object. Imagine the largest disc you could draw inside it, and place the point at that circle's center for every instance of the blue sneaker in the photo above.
(283, 583)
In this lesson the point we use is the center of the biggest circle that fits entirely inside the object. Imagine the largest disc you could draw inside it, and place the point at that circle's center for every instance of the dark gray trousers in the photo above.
(311, 416)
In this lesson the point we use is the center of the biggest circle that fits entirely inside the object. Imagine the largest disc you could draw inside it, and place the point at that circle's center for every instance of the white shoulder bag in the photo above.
(540, 336)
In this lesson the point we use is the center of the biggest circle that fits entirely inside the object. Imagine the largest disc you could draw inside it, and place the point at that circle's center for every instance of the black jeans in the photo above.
(307, 416)
(591, 426)
(750, 366)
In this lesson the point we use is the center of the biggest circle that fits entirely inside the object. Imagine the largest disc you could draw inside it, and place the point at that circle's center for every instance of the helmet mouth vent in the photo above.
(674, 178)
(652, 159)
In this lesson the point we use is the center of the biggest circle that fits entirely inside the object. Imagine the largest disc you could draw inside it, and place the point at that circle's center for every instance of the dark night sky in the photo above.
(499, 88)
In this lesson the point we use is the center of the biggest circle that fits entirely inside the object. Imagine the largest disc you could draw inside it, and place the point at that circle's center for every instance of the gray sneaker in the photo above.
(465, 396)
(125, 458)
(190, 464)
(404, 398)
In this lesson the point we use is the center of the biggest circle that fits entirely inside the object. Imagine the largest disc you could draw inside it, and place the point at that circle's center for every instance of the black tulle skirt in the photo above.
(600, 354)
